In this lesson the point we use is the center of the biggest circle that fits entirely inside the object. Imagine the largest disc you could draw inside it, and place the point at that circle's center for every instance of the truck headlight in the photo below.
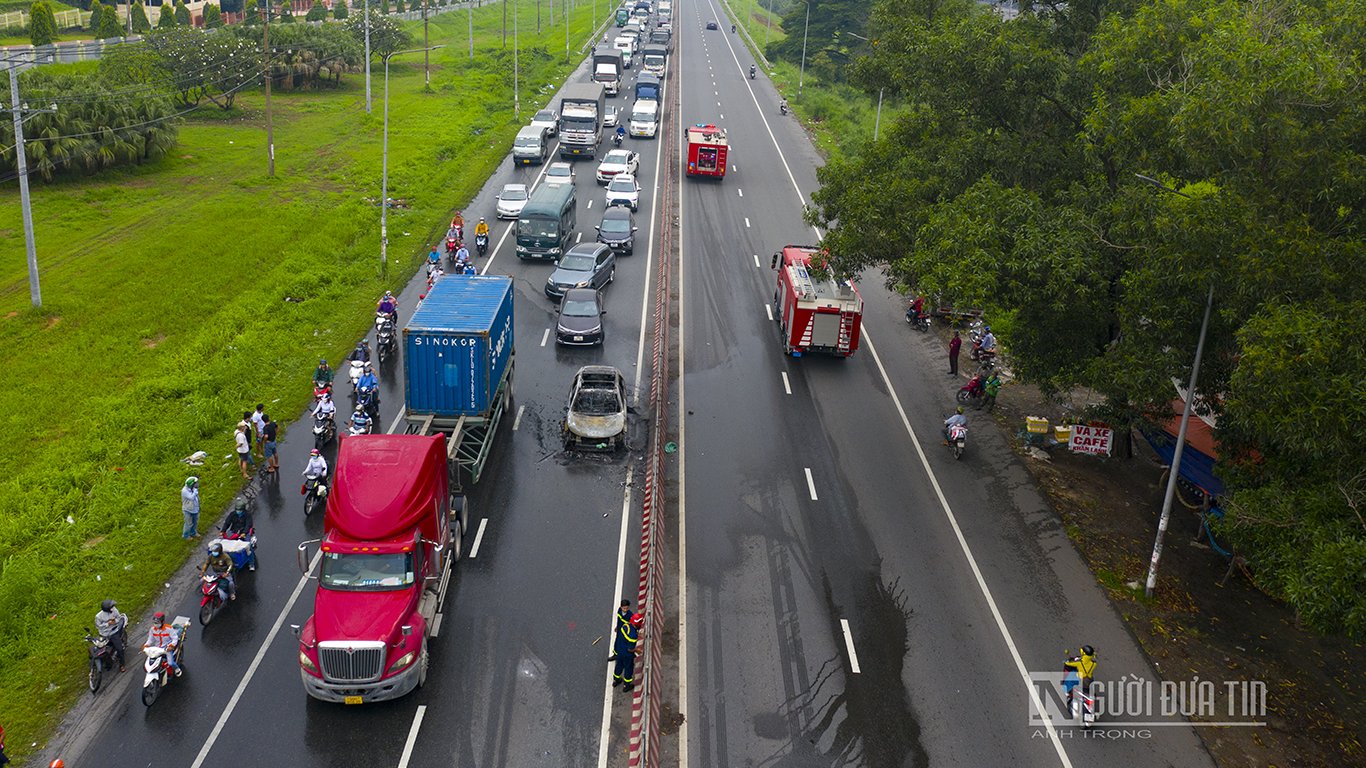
(553, 250)
(402, 662)
(307, 663)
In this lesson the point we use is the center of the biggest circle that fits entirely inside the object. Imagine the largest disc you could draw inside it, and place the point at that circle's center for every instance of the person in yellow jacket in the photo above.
(482, 228)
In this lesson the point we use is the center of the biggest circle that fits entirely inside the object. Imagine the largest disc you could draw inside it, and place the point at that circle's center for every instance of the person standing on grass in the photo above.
(269, 431)
(189, 506)
(259, 425)
(955, 344)
(243, 448)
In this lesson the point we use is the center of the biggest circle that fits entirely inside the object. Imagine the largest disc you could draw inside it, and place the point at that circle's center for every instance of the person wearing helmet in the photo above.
(388, 305)
(220, 563)
(458, 226)
(956, 420)
(624, 651)
(360, 420)
(433, 256)
(241, 526)
(1079, 670)
(482, 228)
(462, 255)
(189, 506)
(317, 465)
(367, 379)
(361, 352)
(163, 635)
(325, 408)
(111, 623)
(322, 375)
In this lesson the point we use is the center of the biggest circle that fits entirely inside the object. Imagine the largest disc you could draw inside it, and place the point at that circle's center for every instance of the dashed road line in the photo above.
(811, 484)
(478, 537)
(768, 310)
(787, 388)
(849, 646)
(545, 337)
(756, 261)
(517, 422)
(412, 736)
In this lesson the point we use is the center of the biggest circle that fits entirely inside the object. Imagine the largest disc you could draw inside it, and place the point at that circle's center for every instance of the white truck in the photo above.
(627, 46)
(607, 69)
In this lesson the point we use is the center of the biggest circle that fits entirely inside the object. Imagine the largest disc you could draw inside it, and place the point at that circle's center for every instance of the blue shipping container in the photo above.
(458, 346)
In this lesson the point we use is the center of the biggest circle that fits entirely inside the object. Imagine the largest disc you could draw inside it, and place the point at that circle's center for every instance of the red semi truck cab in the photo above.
(390, 535)
(815, 311)
(707, 151)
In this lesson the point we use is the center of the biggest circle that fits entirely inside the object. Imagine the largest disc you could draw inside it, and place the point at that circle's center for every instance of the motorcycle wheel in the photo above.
(206, 612)
(96, 675)
(963, 397)
(150, 693)
(309, 501)
(957, 451)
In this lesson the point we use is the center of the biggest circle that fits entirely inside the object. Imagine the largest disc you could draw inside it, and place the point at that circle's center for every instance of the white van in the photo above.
(627, 46)
(644, 119)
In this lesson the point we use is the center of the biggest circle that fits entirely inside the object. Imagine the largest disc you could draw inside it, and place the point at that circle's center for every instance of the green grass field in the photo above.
(177, 295)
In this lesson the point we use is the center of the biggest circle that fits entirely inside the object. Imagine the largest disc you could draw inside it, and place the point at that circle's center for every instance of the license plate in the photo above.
(352, 700)
(578, 338)
(578, 151)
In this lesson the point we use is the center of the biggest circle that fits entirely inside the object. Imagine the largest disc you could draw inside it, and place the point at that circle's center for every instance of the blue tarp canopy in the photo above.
(1197, 467)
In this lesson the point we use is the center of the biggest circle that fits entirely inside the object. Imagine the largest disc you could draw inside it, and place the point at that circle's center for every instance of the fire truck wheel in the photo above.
(422, 669)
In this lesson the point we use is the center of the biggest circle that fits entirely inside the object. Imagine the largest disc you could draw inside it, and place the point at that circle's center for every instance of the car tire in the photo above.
(612, 276)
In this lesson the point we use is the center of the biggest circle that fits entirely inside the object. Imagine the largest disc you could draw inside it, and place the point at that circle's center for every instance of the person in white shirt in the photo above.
(317, 466)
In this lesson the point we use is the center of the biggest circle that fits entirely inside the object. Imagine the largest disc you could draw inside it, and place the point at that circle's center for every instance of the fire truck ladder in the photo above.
(847, 320)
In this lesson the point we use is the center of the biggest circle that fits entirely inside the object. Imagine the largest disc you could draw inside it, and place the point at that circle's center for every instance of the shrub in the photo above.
(110, 25)
(167, 18)
(182, 14)
(339, 10)
(213, 16)
(42, 28)
(317, 13)
(398, 7)
(140, 22)
(96, 11)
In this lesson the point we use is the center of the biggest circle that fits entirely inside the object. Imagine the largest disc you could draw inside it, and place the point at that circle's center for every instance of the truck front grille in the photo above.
(351, 663)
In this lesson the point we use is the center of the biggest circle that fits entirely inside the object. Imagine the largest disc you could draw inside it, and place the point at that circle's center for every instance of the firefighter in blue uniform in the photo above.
(624, 650)
(623, 615)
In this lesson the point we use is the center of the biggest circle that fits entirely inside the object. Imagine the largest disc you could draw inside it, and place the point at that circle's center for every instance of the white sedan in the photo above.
(623, 190)
(610, 115)
(559, 173)
(511, 201)
(618, 161)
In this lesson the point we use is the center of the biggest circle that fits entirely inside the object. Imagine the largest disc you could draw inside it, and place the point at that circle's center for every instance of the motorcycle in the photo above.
(384, 336)
(315, 491)
(369, 399)
(481, 244)
(751, 71)
(452, 245)
(972, 392)
(213, 591)
(102, 657)
(918, 320)
(241, 547)
(157, 668)
(324, 430)
(1081, 705)
(985, 357)
(783, 108)
(958, 440)
(357, 368)
(321, 389)
(353, 430)
(616, 139)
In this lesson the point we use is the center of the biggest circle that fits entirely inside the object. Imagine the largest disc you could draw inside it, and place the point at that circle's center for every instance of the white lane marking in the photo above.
(605, 733)
(734, 167)
(479, 537)
(545, 337)
(811, 484)
(517, 422)
(578, 238)
(436, 624)
(255, 664)
(397, 419)
(741, 191)
(787, 388)
(683, 647)
(412, 736)
(756, 261)
(590, 204)
(768, 309)
(746, 222)
(967, 553)
(718, 103)
(849, 646)
(723, 116)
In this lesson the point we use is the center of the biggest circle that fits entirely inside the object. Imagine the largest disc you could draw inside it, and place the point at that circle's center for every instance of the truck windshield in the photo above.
(366, 573)
(538, 228)
(572, 122)
(654, 60)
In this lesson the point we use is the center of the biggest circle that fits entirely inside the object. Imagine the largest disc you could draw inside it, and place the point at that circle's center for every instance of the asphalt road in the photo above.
(824, 522)
(519, 674)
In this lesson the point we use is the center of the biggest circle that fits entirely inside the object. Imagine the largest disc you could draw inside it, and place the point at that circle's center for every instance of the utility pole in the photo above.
(470, 6)
(564, 11)
(367, 56)
(877, 121)
(426, 52)
(505, 25)
(18, 109)
(130, 19)
(801, 77)
(516, 69)
(270, 124)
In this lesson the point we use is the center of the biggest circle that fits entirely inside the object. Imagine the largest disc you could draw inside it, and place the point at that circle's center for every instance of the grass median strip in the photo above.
(179, 294)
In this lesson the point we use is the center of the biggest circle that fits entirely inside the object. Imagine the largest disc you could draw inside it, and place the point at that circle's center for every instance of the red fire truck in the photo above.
(707, 151)
(815, 312)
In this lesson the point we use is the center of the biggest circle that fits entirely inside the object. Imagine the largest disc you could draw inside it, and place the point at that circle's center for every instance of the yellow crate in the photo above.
(1036, 425)
(1062, 434)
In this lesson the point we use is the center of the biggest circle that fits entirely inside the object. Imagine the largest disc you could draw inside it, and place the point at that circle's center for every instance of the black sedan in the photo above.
(712, 25)
(580, 321)
(618, 229)
(586, 265)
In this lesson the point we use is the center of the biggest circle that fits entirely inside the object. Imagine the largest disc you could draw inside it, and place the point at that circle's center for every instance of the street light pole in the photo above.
(367, 56)
(1185, 421)
(470, 7)
(384, 165)
(516, 69)
(801, 77)
(270, 121)
(877, 121)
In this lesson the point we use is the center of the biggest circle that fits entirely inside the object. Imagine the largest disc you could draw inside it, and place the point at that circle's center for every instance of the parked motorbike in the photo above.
(958, 440)
(972, 392)
(918, 320)
(481, 244)
(324, 430)
(102, 657)
(158, 669)
(213, 595)
(384, 336)
(315, 491)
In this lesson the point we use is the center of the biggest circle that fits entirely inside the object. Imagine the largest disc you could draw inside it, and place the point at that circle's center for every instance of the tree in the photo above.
(166, 19)
(386, 34)
(384, 7)
(251, 15)
(286, 14)
(182, 14)
(193, 66)
(398, 6)
(213, 16)
(339, 10)
(110, 25)
(316, 12)
(140, 22)
(1010, 184)
(96, 11)
(42, 23)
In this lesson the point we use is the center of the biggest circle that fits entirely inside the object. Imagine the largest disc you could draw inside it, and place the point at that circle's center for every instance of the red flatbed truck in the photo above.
(815, 312)
(707, 151)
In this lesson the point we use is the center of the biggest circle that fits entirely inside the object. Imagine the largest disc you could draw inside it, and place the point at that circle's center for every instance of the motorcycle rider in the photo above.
(1084, 667)
(482, 228)
(989, 390)
(751, 71)
(469, 269)
(458, 225)
(367, 379)
(916, 309)
(361, 352)
(360, 420)
(326, 408)
(621, 133)
(110, 623)
(462, 255)
(956, 420)
(782, 106)
(433, 256)
(317, 466)
(388, 305)
(241, 526)
(322, 375)
(163, 635)
(221, 564)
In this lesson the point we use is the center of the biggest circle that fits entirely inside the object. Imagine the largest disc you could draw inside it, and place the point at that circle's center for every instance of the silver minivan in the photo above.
(531, 146)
